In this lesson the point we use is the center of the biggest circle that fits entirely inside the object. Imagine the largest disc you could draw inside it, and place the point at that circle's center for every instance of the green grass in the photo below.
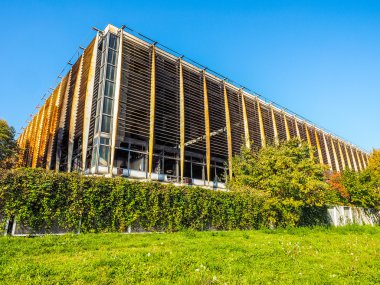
(304, 256)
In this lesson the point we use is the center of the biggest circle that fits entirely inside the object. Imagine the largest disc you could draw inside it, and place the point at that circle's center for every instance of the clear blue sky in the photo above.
(320, 59)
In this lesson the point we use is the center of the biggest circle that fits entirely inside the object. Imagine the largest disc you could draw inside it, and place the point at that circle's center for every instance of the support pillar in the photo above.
(327, 151)
(245, 118)
(275, 131)
(341, 155)
(309, 141)
(116, 102)
(228, 126)
(353, 159)
(335, 156)
(261, 123)
(318, 146)
(286, 126)
(348, 157)
(207, 128)
(88, 102)
(182, 118)
(152, 110)
(73, 115)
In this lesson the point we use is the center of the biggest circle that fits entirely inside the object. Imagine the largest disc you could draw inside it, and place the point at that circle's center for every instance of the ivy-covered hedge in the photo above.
(44, 200)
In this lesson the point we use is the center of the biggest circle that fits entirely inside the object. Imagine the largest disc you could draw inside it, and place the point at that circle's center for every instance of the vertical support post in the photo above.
(73, 115)
(182, 118)
(275, 131)
(364, 162)
(88, 102)
(261, 123)
(335, 156)
(228, 126)
(318, 146)
(358, 158)
(207, 127)
(309, 141)
(327, 151)
(341, 155)
(116, 103)
(152, 110)
(297, 129)
(286, 126)
(53, 125)
(348, 157)
(38, 134)
(353, 160)
(61, 125)
(245, 118)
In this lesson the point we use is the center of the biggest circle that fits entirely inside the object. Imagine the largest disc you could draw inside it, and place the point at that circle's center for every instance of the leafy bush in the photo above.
(287, 175)
(42, 199)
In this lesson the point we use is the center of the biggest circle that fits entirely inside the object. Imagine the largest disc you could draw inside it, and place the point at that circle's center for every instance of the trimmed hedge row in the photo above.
(42, 199)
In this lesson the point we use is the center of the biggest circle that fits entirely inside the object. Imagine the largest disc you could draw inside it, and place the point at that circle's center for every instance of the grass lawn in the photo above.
(304, 256)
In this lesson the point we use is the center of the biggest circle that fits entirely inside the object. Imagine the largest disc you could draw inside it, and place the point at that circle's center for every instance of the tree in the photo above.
(8, 146)
(374, 164)
(287, 175)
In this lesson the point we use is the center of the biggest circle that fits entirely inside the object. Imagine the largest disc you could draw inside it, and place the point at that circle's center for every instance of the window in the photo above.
(109, 89)
(107, 106)
(112, 55)
(106, 124)
(110, 74)
(104, 152)
(113, 42)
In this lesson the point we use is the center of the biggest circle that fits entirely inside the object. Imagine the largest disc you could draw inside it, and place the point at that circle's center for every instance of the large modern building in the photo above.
(132, 107)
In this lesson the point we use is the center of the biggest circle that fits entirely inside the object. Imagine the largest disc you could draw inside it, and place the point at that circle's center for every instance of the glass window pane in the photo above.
(109, 89)
(96, 124)
(113, 41)
(107, 106)
(105, 141)
(112, 57)
(103, 155)
(110, 74)
(106, 124)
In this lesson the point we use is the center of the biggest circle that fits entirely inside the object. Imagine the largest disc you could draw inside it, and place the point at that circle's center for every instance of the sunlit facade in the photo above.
(131, 107)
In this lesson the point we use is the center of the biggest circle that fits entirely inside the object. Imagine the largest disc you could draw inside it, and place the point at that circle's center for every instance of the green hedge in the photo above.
(42, 200)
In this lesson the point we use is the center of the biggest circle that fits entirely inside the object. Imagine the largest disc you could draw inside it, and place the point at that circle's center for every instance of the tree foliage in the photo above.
(285, 174)
(8, 146)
